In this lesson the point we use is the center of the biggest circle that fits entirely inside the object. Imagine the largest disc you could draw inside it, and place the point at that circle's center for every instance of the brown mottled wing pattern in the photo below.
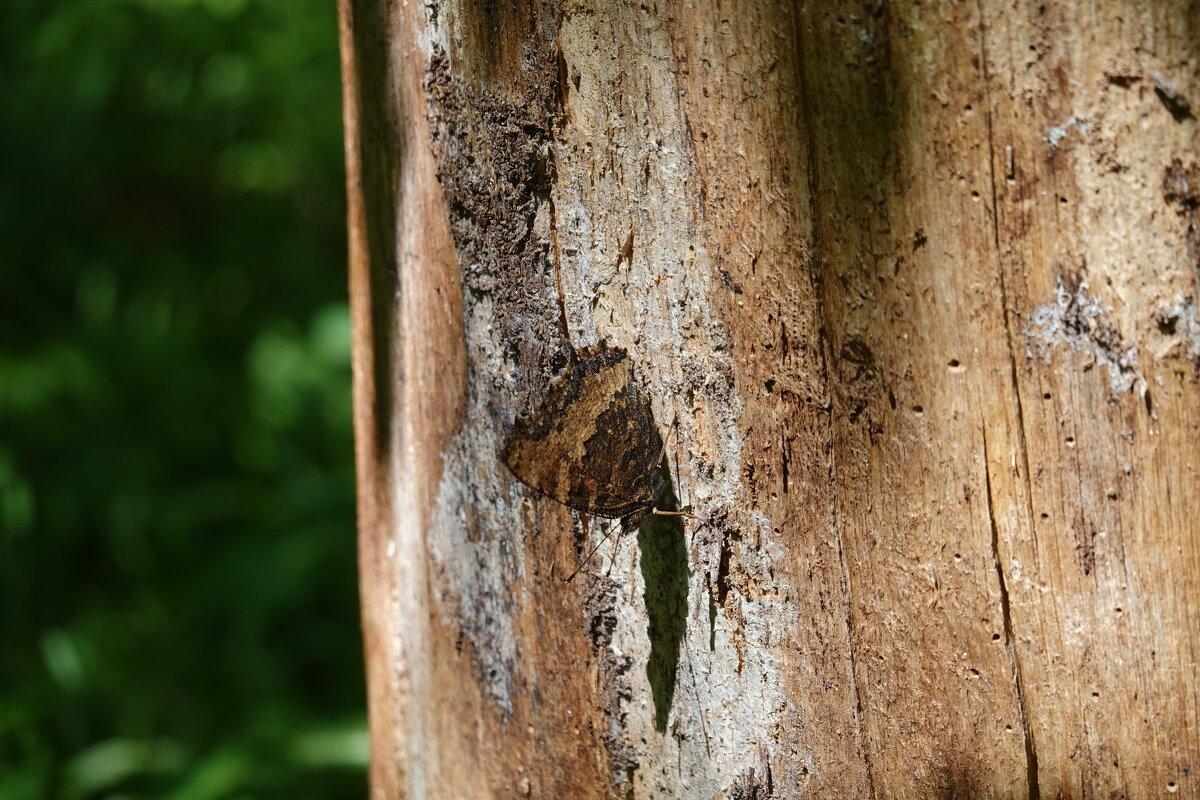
(593, 444)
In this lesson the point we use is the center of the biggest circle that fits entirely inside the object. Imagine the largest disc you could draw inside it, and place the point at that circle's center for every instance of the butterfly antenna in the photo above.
(662, 458)
(588, 558)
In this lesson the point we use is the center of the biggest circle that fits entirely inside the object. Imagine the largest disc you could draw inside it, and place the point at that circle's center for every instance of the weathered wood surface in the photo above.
(914, 290)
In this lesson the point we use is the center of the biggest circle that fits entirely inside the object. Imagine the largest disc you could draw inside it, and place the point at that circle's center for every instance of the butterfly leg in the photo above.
(616, 548)
(591, 553)
(661, 513)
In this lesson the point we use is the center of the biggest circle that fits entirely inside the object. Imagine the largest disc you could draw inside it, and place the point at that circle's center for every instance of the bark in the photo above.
(913, 289)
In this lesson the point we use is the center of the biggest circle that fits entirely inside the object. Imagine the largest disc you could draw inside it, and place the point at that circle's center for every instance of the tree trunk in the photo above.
(912, 291)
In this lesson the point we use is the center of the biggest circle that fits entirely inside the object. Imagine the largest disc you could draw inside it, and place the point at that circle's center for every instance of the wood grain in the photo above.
(913, 291)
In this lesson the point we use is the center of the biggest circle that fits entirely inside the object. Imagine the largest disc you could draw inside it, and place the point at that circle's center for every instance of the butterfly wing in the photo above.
(593, 444)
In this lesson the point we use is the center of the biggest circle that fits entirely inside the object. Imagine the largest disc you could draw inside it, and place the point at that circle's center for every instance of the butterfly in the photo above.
(592, 445)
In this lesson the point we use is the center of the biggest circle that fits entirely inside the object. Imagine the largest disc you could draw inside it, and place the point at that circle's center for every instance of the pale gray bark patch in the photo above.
(1077, 321)
(636, 272)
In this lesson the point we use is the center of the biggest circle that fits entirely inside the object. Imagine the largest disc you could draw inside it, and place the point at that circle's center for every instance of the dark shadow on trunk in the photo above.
(665, 571)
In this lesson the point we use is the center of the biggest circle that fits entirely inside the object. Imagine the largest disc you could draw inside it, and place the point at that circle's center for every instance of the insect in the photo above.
(593, 444)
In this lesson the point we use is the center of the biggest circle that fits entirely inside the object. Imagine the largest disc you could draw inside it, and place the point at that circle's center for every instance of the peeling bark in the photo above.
(913, 292)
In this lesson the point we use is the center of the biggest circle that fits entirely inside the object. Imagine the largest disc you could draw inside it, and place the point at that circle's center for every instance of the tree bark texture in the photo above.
(913, 288)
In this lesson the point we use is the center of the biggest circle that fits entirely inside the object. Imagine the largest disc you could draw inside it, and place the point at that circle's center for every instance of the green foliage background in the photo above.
(178, 609)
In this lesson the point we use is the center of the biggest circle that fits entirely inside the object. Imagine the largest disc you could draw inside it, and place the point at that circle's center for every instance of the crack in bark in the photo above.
(859, 713)
(1031, 760)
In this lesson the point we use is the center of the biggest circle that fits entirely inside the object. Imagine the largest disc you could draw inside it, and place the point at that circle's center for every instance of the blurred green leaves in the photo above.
(177, 588)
